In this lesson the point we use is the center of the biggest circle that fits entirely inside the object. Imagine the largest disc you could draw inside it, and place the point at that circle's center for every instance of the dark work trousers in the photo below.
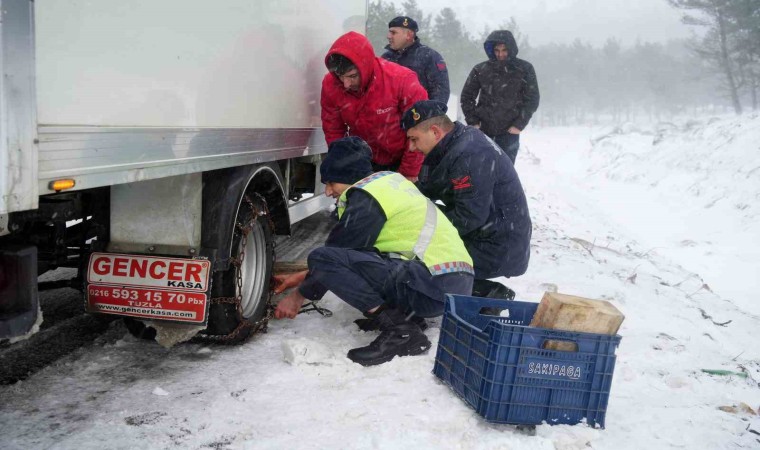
(510, 143)
(366, 279)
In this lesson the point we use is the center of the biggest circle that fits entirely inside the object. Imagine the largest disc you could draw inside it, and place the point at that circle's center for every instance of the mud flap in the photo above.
(18, 290)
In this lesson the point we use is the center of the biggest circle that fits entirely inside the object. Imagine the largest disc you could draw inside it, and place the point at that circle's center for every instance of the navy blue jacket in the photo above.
(483, 198)
(429, 66)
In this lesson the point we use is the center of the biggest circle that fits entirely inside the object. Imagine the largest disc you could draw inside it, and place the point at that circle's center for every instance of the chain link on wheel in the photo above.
(245, 326)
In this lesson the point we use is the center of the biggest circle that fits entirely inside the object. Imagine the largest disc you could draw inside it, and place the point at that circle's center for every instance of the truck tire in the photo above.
(227, 322)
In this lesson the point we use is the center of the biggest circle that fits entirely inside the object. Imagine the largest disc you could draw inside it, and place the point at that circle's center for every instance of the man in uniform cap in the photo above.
(392, 255)
(480, 190)
(405, 48)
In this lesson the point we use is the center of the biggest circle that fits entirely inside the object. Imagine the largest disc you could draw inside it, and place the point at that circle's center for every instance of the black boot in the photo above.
(398, 337)
(491, 289)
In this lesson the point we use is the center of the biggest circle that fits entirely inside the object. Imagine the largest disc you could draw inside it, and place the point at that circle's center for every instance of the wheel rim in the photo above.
(253, 270)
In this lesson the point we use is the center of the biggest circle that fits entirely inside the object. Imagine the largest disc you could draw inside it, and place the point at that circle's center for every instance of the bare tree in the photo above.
(744, 19)
(715, 46)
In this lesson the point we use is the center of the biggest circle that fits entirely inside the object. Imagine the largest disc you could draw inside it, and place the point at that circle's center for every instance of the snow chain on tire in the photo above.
(245, 326)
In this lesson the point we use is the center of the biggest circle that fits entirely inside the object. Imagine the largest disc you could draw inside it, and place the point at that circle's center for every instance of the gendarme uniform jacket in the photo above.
(414, 226)
(483, 198)
(386, 213)
(429, 66)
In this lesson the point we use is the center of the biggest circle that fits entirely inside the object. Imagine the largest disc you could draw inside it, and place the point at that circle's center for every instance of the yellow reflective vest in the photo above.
(415, 227)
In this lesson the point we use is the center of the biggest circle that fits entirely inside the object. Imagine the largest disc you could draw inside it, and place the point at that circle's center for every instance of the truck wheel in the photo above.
(247, 278)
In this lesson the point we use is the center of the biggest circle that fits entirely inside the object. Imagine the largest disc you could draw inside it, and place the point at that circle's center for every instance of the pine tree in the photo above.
(456, 45)
(412, 9)
(379, 14)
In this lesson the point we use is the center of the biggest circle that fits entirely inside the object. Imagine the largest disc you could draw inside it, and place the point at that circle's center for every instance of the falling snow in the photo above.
(659, 220)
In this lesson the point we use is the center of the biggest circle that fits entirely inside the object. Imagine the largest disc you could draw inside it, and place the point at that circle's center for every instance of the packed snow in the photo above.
(661, 220)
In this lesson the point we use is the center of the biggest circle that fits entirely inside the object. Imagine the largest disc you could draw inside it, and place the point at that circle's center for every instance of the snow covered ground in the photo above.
(662, 221)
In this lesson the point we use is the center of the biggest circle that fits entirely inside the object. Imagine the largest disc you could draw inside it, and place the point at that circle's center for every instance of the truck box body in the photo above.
(129, 91)
(168, 117)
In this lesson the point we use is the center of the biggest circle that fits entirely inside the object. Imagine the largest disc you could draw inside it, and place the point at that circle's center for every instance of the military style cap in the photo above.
(422, 111)
(404, 22)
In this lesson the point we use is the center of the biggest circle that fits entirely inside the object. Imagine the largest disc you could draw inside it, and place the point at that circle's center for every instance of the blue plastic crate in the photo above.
(499, 366)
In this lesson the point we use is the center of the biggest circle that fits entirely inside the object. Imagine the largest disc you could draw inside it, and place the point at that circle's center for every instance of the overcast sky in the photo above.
(592, 21)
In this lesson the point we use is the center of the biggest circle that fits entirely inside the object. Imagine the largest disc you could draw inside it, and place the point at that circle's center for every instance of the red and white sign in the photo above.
(147, 303)
(188, 275)
(150, 287)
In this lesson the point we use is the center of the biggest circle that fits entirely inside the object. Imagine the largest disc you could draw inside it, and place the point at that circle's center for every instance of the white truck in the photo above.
(158, 147)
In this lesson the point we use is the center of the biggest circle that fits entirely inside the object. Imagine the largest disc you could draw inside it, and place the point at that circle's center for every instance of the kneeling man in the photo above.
(480, 191)
(392, 255)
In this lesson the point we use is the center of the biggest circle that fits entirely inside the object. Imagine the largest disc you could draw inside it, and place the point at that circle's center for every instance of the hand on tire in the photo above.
(284, 282)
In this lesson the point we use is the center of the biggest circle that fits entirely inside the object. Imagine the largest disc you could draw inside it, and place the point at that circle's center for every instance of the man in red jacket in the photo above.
(365, 96)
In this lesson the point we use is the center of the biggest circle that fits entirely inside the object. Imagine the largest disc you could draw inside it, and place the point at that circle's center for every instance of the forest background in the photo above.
(715, 71)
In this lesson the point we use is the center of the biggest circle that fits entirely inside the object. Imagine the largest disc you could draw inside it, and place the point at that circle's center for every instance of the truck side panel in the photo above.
(186, 63)
(18, 154)
(142, 90)
(104, 156)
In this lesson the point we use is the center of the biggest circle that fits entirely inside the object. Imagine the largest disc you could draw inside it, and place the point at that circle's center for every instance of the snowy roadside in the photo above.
(597, 233)
(677, 270)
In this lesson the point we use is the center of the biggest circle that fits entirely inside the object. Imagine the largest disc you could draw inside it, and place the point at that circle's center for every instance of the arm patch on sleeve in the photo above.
(461, 183)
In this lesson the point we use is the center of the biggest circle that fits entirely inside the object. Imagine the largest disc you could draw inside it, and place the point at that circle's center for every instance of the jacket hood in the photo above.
(358, 49)
(501, 37)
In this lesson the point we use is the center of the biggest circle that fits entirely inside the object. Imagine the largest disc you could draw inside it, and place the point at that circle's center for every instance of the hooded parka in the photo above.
(374, 113)
(500, 94)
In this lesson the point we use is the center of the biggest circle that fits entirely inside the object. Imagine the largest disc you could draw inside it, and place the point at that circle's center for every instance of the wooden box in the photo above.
(570, 313)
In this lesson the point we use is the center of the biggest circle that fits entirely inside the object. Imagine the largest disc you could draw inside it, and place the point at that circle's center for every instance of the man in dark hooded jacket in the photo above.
(481, 193)
(501, 94)
(405, 48)
(364, 96)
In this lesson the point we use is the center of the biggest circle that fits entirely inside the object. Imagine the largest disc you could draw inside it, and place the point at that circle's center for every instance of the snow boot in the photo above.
(491, 289)
(398, 337)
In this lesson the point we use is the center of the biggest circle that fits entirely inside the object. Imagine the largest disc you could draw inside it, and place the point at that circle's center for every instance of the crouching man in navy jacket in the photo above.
(392, 255)
(480, 190)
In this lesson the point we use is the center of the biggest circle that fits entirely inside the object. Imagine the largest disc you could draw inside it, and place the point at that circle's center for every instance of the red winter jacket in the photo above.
(373, 114)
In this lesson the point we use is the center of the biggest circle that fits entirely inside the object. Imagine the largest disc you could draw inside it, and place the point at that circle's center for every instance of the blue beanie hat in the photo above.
(348, 160)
